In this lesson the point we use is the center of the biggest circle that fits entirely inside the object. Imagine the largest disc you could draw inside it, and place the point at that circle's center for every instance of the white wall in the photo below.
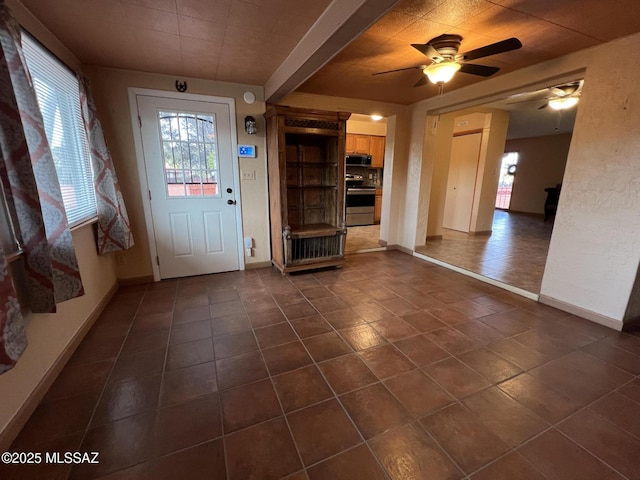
(595, 248)
(110, 89)
(541, 164)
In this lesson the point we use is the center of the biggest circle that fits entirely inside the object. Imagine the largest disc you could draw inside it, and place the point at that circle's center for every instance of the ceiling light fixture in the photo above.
(439, 73)
(563, 103)
(376, 117)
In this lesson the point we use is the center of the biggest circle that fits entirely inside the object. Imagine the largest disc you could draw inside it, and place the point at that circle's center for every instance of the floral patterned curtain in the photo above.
(114, 231)
(13, 339)
(29, 176)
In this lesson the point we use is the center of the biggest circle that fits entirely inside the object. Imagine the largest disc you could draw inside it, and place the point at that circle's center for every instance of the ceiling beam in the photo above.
(339, 24)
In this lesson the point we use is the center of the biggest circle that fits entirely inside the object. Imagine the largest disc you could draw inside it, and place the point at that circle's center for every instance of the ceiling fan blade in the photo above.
(427, 50)
(528, 101)
(493, 49)
(419, 67)
(482, 70)
(546, 104)
(421, 82)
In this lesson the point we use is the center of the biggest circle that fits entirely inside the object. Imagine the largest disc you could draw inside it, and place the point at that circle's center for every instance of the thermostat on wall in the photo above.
(247, 151)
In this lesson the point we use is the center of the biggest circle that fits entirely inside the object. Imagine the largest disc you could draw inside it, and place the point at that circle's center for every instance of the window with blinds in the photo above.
(59, 100)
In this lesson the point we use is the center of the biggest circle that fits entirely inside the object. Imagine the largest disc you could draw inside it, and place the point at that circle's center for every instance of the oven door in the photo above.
(360, 206)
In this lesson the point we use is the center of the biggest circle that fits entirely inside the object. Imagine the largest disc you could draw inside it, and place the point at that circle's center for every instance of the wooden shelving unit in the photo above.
(306, 150)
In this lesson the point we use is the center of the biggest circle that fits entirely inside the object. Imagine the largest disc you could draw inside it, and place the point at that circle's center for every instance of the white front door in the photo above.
(189, 166)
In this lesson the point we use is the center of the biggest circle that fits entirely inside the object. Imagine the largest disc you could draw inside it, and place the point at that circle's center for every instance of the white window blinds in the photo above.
(59, 100)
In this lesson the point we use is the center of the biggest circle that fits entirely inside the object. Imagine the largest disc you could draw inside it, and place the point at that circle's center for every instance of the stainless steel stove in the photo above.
(360, 201)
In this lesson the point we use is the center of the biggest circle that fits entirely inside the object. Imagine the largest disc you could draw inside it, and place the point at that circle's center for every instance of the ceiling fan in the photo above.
(446, 61)
(560, 97)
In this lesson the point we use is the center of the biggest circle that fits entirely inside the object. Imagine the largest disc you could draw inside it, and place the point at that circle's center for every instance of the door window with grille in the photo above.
(190, 154)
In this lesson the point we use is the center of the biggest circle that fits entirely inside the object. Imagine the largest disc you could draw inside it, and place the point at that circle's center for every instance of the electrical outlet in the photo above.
(251, 175)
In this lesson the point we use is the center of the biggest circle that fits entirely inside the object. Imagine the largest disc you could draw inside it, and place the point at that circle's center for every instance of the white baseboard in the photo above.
(582, 312)
(477, 276)
(400, 248)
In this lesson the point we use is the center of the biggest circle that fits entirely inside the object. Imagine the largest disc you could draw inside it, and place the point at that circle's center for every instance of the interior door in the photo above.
(461, 183)
(188, 161)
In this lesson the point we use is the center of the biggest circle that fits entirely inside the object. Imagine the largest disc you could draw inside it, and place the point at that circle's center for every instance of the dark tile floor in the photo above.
(515, 253)
(390, 367)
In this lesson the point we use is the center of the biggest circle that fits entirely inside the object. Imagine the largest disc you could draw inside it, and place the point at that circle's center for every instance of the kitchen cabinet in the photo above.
(350, 145)
(306, 153)
(370, 144)
(376, 151)
(363, 144)
(377, 211)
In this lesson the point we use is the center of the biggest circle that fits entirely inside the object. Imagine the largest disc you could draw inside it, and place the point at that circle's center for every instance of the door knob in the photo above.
(231, 202)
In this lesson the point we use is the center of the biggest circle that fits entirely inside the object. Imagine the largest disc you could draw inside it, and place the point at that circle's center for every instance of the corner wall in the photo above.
(541, 164)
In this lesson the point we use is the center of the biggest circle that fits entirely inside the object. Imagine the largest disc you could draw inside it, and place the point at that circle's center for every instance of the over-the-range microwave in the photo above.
(358, 160)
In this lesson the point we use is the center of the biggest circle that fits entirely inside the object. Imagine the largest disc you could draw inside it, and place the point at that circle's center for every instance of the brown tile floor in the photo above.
(515, 253)
(364, 237)
(390, 367)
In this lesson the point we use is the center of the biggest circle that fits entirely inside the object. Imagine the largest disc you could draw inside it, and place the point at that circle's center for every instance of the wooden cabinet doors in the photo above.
(376, 151)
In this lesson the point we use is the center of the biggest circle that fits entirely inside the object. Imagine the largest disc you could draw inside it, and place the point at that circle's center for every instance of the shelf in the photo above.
(312, 164)
(312, 131)
(315, 230)
(311, 186)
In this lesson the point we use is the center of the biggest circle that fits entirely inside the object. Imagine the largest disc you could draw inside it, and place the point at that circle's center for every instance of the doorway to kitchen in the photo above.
(365, 148)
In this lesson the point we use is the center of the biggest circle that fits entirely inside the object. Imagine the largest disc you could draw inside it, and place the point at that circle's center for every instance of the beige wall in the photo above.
(110, 89)
(363, 125)
(52, 336)
(436, 171)
(541, 164)
(494, 135)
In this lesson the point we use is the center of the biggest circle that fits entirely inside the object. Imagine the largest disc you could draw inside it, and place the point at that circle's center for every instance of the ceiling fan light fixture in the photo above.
(439, 73)
(563, 103)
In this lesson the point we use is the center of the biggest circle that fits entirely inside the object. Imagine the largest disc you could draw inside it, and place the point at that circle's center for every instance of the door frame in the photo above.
(134, 92)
